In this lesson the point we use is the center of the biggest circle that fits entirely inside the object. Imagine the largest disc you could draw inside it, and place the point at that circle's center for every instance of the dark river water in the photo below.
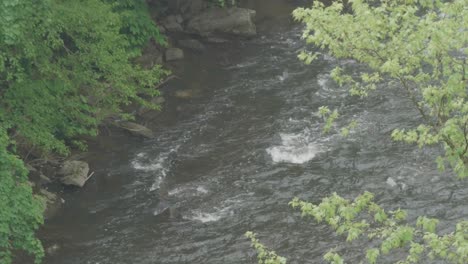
(234, 155)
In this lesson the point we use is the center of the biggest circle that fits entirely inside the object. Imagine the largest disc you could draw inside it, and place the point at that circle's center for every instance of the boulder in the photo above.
(173, 54)
(74, 173)
(172, 24)
(234, 21)
(136, 129)
(191, 44)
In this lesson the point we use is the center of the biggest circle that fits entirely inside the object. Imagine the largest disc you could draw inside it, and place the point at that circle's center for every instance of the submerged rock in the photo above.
(173, 54)
(172, 23)
(235, 21)
(74, 173)
(184, 94)
(191, 44)
(136, 129)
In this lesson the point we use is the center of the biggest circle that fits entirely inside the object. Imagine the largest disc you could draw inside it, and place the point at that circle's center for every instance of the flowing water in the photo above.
(234, 155)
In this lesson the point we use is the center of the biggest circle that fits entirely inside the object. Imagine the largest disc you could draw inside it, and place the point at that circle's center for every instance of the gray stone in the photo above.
(44, 179)
(235, 21)
(216, 40)
(171, 24)
(158, 100)
(136, 129)
(179, 19)
(191, 44)
(173, 54)
(184, 94)
(74, 173)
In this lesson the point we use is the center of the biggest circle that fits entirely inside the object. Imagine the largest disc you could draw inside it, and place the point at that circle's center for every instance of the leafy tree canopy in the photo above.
(65, 65)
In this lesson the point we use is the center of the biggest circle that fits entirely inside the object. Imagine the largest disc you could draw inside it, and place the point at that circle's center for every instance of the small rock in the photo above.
(191, 44)
(74, 173)
(179, 19)
(44, 179)
(184, 94)
(171, 24)
(216, 40)
(158, 100)
(174, 54)
(136, 129)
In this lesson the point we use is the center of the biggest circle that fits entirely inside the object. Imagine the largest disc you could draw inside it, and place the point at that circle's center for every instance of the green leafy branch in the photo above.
(363, 217)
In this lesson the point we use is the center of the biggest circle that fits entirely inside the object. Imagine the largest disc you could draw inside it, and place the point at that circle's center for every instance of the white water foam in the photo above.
(206, 217)
(322, 80)
(159, 166)
(188, 190)
(283, 76)
(295, 148)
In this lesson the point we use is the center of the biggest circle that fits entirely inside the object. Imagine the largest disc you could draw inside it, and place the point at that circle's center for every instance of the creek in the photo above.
(233, 156)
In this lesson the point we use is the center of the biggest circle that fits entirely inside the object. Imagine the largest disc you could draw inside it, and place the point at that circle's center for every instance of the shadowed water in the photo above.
(234, 157)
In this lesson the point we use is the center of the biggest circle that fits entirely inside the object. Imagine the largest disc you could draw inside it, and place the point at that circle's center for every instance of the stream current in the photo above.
(234, 155)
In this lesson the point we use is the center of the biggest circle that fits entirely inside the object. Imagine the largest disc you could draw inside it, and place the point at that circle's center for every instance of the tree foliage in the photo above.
(21, 212)
(64, 66)
(420, 45)
(137, 25)
(264, 255)
(364, 219)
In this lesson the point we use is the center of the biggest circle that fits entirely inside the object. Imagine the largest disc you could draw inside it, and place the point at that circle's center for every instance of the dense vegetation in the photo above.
(64, 67)
(420, 47)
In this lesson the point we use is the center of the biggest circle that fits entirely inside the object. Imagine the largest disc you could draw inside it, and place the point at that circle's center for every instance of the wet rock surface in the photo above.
(74, 173)
(233, 21)
(136, 129)
(173, 54)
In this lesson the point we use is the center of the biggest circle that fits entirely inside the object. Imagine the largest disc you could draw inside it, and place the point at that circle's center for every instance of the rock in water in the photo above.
(162, 207)
(173, 54)
(136, 129)
(192, 44)
(172, 24)
(235, 21)
(74, 173)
